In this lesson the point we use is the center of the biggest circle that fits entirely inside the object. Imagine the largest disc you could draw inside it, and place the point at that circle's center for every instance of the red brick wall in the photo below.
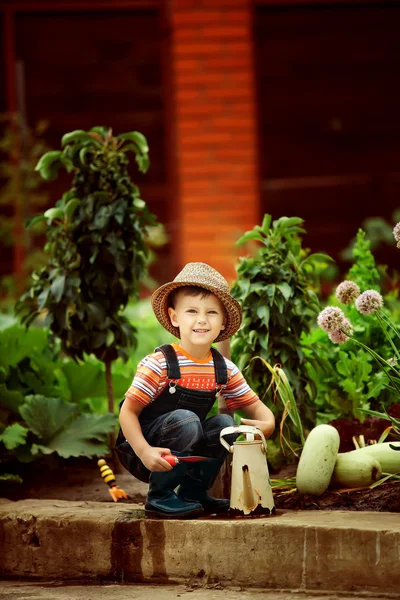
(214, 125)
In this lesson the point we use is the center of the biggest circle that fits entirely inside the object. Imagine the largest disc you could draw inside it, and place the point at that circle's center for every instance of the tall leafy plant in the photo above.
(96, 245)
(274, 289)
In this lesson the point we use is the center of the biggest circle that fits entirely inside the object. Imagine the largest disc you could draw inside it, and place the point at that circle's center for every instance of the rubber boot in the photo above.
(198, 480)
(163, 503)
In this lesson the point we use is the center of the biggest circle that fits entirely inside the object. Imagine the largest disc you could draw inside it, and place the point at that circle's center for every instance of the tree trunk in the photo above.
(110, 402)
(222, 485)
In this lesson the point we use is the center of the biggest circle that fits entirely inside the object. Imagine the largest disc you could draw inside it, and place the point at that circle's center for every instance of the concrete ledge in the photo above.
(309, 550)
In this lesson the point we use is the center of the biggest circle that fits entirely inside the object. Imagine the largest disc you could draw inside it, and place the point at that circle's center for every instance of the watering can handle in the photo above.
(250, 430)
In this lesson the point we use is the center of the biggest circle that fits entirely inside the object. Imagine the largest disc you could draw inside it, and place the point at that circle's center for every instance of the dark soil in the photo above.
(81, 481)
(383, 498)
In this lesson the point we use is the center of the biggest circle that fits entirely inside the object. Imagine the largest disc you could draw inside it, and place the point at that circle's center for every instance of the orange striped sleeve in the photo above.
(237, 393)
(149, 380)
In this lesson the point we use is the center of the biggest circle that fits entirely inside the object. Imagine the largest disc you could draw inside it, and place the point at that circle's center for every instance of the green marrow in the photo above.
(317, 460)
(388, 458)
(355, 469)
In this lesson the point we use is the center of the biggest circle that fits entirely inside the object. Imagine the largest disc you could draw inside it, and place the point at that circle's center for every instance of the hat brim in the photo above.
(159, 302)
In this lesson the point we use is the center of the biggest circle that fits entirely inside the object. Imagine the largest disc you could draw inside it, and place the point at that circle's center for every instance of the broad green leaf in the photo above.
(17, 343)
(13, 436)
(84, 436)
(47, 416)
(84, 380)
(54, 213)
(143, 162)
(250, 235)
(10, 399)
(47, 159)
(139, 203)
(71, 207)
(285, 290)
(319, 256)
(137, 138)
(75, 136)
(100, 129)
(266, 223)
(263, 313)
(57, 288)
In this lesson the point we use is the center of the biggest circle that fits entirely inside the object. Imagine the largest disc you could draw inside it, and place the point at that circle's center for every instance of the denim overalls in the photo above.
(175, 397)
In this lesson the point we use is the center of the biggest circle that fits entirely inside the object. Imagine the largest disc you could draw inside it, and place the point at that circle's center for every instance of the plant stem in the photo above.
(388, 321)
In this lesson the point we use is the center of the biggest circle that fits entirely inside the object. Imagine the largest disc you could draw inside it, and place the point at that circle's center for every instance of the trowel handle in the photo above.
(249, 430)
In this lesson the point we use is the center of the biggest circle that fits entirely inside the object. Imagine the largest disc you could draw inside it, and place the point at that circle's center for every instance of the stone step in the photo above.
(339, 551)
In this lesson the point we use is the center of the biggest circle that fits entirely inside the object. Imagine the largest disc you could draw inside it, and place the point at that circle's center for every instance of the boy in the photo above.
(165, 409)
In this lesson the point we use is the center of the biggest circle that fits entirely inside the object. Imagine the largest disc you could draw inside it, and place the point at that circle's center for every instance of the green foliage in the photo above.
(364, 271)
(96, 245)
(30, 367)
(278, 304)
(349, 381)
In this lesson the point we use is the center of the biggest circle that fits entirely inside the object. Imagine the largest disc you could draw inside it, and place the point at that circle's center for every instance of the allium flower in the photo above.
(369, 302)
(338, 336)
(331, 318)
(347, 292)
(396, 233)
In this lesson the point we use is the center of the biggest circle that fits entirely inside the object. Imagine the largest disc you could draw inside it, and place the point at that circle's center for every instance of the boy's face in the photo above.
(200, 320)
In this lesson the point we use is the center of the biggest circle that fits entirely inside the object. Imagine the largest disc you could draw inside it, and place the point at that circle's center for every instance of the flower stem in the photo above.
(381, 361)
(384, 326)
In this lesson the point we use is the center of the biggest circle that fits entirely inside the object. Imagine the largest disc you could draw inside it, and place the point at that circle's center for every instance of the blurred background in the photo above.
(249, 106)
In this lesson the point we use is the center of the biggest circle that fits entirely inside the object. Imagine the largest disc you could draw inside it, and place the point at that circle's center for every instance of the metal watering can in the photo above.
(251, 492)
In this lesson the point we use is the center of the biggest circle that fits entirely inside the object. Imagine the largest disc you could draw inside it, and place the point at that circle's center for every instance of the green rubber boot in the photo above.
(198, 480)
(163, 503)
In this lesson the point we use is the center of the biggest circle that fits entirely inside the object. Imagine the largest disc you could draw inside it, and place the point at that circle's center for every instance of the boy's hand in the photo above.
(153, 461)
(265, 426)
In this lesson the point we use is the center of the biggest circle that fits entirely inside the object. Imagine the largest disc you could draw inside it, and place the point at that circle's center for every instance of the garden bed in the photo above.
(80, 480)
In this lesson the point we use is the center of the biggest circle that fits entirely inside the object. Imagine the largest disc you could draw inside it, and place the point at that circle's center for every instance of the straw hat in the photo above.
(200, 275)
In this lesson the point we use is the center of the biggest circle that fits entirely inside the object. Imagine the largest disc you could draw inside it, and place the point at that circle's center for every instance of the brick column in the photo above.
(214, 114)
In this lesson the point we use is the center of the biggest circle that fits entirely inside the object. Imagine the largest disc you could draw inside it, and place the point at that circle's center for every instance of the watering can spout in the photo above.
(250, 496)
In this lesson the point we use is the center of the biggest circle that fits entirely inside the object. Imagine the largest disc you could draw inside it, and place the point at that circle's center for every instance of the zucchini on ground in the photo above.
(317, 460)
(388, 458)
(354, 469)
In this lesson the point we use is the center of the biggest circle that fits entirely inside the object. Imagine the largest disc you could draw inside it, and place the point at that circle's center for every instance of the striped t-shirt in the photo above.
(151, 379)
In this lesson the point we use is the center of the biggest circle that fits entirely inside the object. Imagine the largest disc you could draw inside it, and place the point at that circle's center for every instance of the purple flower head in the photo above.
(396, 233)
(369, 302)
(331, 318)
(347, 292)
(340, 336)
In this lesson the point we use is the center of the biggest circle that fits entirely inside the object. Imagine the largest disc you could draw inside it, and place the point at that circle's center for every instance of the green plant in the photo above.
(348, 378)
(274, 289)
(96, 246)
(41, 399)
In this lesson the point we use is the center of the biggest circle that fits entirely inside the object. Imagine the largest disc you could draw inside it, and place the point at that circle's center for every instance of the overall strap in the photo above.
(221, 372)
(173, 370)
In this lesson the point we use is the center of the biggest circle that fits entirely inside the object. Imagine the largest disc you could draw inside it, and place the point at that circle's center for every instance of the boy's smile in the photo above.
(200, 320)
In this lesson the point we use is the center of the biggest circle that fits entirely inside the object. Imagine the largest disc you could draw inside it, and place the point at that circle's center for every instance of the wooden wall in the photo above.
(329, 118)
(98, 68)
